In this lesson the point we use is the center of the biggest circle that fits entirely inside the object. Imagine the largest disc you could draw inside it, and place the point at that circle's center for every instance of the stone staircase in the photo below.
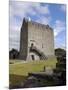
(38, 52)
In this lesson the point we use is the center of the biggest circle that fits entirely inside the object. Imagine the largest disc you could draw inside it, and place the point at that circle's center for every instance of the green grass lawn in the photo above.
(20, 68)
(19, 71)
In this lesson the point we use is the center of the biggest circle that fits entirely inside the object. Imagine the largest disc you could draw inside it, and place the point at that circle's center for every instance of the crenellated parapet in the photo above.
(36, 24)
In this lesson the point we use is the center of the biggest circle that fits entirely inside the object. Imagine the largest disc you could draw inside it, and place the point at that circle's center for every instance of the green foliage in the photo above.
(59, 52)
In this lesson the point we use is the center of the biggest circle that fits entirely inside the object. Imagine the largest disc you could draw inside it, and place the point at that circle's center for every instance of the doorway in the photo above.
(32, 56)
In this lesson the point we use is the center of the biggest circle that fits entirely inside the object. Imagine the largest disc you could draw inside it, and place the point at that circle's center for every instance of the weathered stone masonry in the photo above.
(36, 41)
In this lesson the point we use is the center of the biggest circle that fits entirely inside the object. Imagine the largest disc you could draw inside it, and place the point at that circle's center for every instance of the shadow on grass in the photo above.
(16, 81)
(20, 81)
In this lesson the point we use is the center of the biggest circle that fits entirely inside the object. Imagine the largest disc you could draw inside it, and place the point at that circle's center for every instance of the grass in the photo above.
(19, 68)
(19, 71)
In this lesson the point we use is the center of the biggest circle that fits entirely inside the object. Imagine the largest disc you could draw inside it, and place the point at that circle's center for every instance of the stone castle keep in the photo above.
(36, 41)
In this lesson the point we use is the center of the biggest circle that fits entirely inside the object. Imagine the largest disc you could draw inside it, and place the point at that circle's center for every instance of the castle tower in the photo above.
(36, 41)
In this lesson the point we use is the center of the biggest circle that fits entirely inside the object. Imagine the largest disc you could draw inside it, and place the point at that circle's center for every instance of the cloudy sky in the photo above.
(45, 13)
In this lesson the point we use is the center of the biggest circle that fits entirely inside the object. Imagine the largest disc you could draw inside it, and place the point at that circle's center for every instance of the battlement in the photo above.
(36, 24)
(39, 25)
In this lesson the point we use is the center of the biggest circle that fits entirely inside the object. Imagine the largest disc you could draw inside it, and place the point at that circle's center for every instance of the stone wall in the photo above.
(24, 40)
(41, 36)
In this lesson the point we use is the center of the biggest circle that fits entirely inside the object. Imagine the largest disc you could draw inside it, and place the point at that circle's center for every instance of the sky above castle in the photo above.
(45, 13)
